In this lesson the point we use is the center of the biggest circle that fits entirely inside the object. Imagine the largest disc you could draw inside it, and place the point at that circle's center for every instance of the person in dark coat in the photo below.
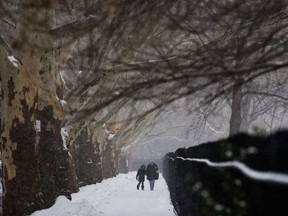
(152, 174)
(141, 176)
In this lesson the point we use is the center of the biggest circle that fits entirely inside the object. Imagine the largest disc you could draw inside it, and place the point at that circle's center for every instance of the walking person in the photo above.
(152, 174)
(141, 176)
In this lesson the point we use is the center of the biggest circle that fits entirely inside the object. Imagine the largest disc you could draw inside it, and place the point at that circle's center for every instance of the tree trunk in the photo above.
(109, 160)
(20, 140)
(235, 120)
(245, 123)
(88, 159)
(123, 164)
(37, 165)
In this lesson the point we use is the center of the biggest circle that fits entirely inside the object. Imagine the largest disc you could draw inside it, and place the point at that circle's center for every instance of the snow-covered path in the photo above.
(115, 197)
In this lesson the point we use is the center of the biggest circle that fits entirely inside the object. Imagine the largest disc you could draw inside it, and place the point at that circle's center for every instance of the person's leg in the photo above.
(152, 184)
(138, 185)
(142, 185)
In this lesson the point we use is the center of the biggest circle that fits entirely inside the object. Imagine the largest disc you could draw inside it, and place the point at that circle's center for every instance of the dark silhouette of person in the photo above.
(141, 176)
(152, 174)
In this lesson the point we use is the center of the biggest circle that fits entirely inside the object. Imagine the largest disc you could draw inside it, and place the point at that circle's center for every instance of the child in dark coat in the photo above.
(141, 176)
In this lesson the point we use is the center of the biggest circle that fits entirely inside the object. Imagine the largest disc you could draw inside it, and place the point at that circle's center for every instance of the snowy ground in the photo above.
(115, 197)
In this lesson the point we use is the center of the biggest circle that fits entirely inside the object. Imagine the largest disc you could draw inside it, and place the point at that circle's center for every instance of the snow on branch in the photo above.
(13, 60)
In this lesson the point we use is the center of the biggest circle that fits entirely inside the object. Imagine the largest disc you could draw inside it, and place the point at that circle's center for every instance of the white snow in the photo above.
(61, 102)
(110, 136)
(64, 135)
(13, 60)
(117, 196)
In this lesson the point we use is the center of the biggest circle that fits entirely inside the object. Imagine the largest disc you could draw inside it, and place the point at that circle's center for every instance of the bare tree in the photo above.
(53, 40)
(99, 57)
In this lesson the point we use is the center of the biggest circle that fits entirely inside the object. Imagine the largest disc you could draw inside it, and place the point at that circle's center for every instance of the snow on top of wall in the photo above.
(13, 60)
(268, 176)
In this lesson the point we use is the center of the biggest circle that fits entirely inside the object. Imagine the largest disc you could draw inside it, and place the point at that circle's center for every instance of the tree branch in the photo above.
(6, 46)
(74, 27)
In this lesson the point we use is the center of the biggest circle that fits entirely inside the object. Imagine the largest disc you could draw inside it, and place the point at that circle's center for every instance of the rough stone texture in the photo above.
(198, 189)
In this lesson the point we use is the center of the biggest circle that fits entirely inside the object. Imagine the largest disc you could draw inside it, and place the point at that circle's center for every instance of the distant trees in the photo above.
(223, 50)
(97, 74)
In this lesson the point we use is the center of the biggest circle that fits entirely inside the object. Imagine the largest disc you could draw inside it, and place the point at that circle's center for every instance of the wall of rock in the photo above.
(240, 175)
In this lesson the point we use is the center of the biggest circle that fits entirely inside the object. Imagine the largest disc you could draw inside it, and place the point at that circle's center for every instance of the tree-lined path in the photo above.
(86, 84)
(115, 197)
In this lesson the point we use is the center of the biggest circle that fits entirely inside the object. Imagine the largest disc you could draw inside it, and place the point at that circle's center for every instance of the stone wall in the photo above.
(241, 175)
